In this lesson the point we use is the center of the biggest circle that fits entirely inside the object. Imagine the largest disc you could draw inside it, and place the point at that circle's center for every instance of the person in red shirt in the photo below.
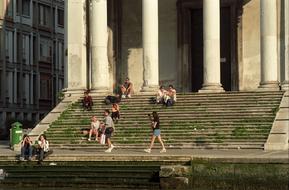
(87, 102)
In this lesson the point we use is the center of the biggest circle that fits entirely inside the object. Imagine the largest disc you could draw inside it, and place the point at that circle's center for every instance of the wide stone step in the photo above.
(146, 141)
(175, 113)
(178, 124)
(195, 103)
(157, 147)
(172, 111)
(125, 131)
(209, 95)
(140, 120)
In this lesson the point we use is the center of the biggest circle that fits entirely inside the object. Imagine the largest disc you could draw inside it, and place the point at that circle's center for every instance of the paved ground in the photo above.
(171, 154)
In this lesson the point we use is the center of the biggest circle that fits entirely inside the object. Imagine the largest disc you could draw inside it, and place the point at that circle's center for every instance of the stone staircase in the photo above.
(231, 120)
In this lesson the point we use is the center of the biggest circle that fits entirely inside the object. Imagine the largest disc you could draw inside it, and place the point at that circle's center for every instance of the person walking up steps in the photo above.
(109, 129)
(155, 123)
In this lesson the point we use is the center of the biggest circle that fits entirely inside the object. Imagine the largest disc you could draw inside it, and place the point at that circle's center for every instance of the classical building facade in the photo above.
(32, 58)
(196, 45)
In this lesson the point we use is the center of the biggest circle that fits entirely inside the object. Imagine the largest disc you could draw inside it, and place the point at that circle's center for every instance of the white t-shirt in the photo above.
(94, 125)
(45, 146)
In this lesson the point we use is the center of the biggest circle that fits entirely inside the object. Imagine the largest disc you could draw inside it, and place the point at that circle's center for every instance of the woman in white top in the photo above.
(160, 95)
(43, 147)
(94, 126)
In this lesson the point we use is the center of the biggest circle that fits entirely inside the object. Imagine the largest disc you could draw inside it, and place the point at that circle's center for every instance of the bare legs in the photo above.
(90, 133)
(152, 144)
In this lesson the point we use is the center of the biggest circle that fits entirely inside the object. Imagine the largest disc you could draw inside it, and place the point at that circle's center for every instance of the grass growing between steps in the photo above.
(193, 120)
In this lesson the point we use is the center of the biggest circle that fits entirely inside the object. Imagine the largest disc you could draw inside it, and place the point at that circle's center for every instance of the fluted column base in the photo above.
(149, 89)
(100, 91)
(269, 86)
(73, 91)
(211, 88)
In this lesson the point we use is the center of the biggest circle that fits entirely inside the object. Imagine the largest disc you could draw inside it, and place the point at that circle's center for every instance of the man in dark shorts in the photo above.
(109, 129)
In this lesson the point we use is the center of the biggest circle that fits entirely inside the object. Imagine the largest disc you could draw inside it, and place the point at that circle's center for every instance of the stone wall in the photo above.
(168, 50)
(131, 43)
(250, 69)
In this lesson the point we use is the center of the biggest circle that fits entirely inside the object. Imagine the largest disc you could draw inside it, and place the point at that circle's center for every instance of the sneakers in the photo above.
(129, 96)
(163, 151)
(21, 159)
(89, 139)
(110, 149)
(148, 150)
(123, 96)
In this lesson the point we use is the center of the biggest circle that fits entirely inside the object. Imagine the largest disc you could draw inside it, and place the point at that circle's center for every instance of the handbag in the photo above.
(102, 139)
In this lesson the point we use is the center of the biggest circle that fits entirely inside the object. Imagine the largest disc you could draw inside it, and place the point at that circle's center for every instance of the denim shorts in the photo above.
(157, 132)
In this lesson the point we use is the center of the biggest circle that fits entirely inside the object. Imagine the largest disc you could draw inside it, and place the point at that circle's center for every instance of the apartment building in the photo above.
(31, 59)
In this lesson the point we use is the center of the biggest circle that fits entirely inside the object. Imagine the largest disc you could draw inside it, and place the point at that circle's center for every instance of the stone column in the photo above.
(150, 45)
(268, 19)
(285, 83)
(99, 39)
(211, 30)
(75, 29)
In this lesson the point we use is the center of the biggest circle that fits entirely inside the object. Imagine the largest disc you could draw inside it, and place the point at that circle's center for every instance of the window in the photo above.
(9, 8)
(45, 49)
(26, 49)
(9, 45)
(26, 7)
(60, 18)
(44, 15)
(23, 7)
(45, 88)
(60, 55)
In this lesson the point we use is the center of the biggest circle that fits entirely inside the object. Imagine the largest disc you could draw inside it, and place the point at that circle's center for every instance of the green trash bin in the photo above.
(16, 133)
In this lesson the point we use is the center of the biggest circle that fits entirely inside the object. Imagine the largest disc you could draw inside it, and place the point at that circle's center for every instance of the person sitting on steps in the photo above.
(126, 89)
(42, 148)
(160, 95)
(171, 96)
(94, 128)
(115, 114)
(26, 148)
(87, 102)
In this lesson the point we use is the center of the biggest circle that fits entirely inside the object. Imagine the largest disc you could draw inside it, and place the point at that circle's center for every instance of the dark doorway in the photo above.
(197, 47)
